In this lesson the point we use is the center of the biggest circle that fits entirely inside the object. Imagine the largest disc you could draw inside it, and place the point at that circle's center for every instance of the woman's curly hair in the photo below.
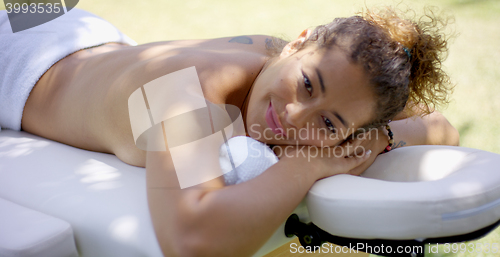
(401, 57)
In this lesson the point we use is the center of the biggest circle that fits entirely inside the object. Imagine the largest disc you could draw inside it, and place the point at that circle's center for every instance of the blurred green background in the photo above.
(473, 62)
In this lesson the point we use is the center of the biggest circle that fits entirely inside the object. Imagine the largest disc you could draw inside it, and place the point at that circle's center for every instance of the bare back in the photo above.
(83, 99)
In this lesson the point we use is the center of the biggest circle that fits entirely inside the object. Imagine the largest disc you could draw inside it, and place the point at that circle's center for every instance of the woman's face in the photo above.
(309, 97)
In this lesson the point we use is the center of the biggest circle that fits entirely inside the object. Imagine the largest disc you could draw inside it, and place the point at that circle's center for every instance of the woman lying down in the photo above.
(334, 81)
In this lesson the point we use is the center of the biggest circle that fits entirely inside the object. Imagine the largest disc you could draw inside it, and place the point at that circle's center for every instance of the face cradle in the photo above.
(289, 105)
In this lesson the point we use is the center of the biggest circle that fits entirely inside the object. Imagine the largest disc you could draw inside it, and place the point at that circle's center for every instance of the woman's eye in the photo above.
(307, 85)
(329, 124)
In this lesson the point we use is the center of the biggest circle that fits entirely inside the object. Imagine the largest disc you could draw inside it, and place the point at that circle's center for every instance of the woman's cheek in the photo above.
(304, 134)
(286, 84)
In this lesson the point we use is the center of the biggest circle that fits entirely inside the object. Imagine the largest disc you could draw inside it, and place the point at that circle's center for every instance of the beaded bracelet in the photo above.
(391, 139)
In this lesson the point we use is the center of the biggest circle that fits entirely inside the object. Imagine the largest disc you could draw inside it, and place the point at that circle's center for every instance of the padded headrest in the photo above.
(412, 192)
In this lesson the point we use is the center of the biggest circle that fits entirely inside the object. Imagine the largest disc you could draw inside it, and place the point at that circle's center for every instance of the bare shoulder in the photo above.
(256, 43)
(261, 43)
(226, 68)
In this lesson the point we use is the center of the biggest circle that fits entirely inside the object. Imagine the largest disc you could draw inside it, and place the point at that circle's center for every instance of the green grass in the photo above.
(473, 62)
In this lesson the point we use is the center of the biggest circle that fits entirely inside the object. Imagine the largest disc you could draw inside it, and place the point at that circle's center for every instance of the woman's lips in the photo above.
(273, 121)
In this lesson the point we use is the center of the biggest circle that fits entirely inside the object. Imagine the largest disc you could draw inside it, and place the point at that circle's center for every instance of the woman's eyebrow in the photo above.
(320, 81)
(340, 118)
(322, 85)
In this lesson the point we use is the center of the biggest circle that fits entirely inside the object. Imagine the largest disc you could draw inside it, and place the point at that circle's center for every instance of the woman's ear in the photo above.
(296, 44)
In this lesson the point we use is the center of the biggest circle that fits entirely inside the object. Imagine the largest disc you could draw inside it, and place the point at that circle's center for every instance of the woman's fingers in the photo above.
(357, 160)
(331, 160)
(357, 148)
(353, 147)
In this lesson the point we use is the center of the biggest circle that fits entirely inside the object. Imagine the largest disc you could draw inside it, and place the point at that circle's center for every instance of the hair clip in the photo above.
(407, 51)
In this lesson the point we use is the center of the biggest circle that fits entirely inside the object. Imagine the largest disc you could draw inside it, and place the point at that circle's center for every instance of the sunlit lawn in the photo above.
(473, 63)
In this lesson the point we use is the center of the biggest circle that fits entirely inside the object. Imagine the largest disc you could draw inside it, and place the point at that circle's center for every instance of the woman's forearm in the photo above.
(432, 129)
(224, 221)
(248, 214)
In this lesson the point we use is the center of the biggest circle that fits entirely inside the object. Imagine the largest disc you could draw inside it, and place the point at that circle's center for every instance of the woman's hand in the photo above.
(326, 161)
(375, 140)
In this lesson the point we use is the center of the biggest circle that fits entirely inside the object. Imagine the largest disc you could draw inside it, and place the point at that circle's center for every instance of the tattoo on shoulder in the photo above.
(400, 144)
(269, 43)
(241, 40)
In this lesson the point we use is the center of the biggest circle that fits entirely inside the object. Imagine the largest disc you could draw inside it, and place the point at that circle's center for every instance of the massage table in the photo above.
(57, 200)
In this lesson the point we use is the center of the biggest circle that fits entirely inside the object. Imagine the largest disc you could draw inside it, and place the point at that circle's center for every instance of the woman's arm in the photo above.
(213, 220)
(431, 129)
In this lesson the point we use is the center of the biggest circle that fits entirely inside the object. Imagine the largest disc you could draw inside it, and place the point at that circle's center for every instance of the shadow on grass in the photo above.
(469, 2)
(464, 129)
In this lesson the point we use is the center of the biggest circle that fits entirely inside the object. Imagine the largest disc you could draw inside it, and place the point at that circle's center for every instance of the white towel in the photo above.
(26, 55)
(248, 156)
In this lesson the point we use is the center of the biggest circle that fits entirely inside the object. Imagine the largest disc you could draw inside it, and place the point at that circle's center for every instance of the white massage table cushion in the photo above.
(28, 233)
(412, 192)
(102, 198)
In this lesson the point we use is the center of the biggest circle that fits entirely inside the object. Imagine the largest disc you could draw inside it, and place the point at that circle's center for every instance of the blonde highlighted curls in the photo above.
(425, 41)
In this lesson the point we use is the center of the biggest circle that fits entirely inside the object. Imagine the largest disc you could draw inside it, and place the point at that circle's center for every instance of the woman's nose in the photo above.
(297, 114)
